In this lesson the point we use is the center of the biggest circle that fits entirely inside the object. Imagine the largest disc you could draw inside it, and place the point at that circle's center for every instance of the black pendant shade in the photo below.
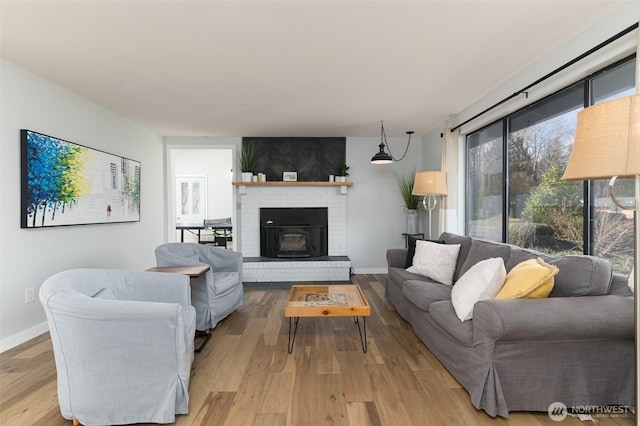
(384, 157)
(381, 157)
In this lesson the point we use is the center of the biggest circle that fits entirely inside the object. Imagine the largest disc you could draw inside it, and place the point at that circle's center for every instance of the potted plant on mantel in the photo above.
(247, 162)
(342, 173)
(405, 184)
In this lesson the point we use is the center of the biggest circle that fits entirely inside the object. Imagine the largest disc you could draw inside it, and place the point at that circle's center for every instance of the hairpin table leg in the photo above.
(364, 326)
(292, 339)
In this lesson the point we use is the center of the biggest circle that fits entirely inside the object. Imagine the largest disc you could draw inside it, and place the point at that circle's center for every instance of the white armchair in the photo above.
(123, 344)
(219, 291)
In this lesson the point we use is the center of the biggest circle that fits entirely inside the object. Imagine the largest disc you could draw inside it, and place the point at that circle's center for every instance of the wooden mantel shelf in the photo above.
(280, 183)
(242, 186)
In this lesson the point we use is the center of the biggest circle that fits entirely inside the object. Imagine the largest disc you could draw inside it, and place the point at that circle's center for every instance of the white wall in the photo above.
(29, 256)
(375, 210)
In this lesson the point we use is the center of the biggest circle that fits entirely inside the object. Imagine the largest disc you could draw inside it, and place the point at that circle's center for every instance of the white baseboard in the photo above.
(23, 336)
(370, 270)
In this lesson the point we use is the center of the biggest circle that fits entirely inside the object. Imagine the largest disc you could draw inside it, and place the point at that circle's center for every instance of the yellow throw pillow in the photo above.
(528, 280)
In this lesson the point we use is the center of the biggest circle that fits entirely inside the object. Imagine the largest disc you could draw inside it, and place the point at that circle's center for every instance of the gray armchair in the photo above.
(122, 343)
(219, 291)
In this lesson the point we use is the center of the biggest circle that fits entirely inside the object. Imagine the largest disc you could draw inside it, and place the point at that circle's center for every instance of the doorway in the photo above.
(198, 187)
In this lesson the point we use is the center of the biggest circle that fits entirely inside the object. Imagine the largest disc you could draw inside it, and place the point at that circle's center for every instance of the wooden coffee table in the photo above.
(332, 300)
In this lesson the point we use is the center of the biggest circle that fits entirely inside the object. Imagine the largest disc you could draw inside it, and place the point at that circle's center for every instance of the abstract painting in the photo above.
(63, 183)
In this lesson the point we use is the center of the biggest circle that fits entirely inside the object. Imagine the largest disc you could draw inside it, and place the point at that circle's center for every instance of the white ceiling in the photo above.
(286, 68)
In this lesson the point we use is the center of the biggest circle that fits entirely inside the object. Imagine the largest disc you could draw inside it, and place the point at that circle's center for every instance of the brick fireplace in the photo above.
(254, 196)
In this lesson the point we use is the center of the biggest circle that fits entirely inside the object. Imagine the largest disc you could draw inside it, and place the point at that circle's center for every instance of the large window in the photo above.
(515, 191)
(485, 186)
(545, 211)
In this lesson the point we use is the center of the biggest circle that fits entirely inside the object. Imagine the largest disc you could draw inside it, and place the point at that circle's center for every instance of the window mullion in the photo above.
(505, 181)
(589, 200)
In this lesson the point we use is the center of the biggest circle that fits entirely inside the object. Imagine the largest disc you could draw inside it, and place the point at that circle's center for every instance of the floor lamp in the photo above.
(429, 185)
(607, 145)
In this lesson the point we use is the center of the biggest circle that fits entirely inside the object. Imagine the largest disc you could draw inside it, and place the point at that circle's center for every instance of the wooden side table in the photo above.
(190, 271)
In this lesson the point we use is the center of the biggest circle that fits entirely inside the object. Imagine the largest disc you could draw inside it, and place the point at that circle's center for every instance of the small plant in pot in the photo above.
(247, 162)
(342, 173)
(405, 185)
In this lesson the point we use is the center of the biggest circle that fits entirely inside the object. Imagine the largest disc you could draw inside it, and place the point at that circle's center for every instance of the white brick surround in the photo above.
(252, 198)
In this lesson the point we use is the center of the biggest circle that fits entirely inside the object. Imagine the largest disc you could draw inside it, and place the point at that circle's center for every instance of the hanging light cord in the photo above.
(383, 139)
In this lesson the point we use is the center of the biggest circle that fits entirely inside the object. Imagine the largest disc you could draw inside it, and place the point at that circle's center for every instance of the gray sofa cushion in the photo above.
(579, 275)
(443, 314)
(424, 293)
(399, 276)
(519, 255)
(465, 245)
(483, 250)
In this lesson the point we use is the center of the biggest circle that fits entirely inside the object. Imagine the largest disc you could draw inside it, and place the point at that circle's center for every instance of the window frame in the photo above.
(588, 192)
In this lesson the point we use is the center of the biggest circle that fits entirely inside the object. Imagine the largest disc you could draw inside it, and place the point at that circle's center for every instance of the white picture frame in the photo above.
(289, 176)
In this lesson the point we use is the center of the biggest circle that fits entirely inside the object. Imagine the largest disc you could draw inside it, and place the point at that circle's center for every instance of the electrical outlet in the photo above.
(29, 295)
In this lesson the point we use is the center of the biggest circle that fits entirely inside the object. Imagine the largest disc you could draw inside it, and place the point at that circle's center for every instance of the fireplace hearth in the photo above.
(293, 232)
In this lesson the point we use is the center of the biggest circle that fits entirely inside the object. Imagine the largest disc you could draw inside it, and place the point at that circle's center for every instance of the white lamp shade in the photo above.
(430, 183)
(607, 141)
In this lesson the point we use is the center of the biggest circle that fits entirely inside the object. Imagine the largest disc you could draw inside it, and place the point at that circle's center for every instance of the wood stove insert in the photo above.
(293, 232)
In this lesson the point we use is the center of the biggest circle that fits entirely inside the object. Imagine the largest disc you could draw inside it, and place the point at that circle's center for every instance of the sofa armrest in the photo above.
(553, 319)
(620, 285)
(396, 257)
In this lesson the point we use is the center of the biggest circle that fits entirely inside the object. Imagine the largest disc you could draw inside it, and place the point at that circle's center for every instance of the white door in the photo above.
(191, 199)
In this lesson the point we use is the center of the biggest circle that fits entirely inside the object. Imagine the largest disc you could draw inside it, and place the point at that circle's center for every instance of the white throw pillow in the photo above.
(631, 275)
(481, 282)
(435, 261)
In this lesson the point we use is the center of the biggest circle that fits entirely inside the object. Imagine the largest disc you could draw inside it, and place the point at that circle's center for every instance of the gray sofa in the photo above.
(574, 347)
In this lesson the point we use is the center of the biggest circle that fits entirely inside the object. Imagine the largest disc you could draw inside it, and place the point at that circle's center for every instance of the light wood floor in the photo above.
(245, 376)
